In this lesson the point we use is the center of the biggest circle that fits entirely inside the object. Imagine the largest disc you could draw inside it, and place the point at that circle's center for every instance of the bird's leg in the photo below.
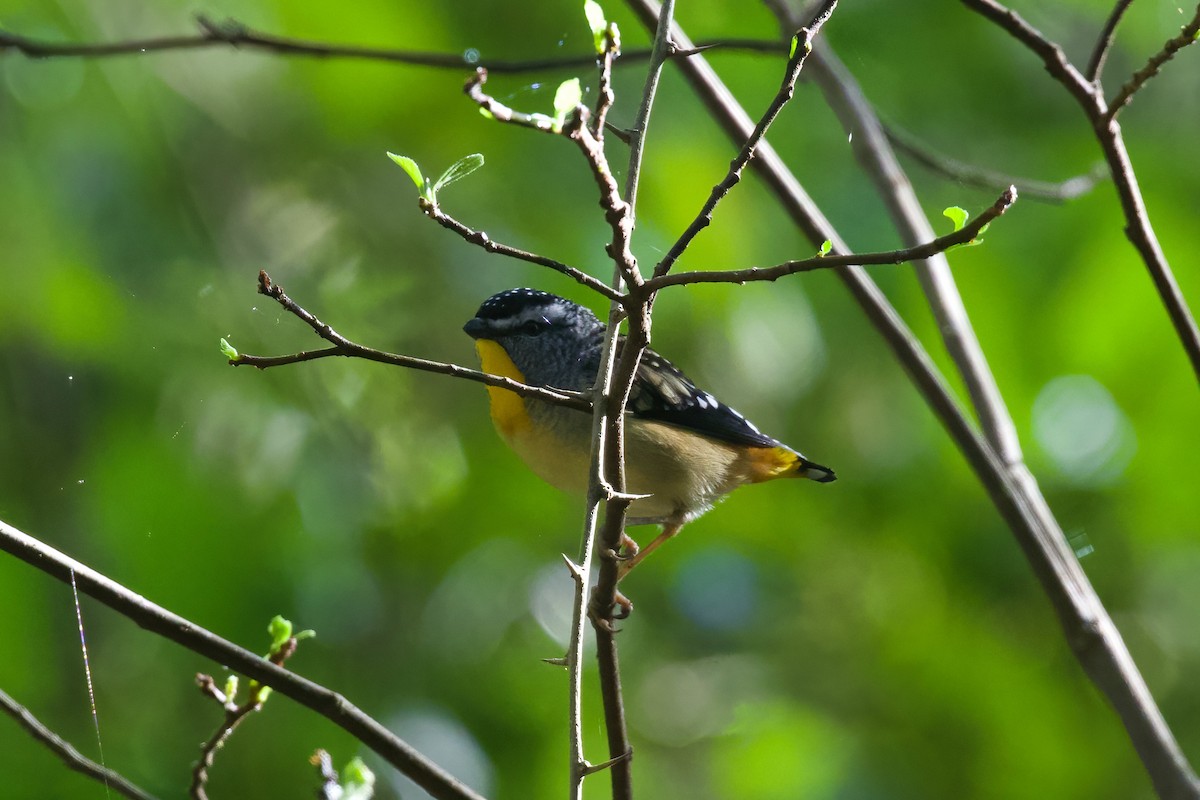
(625, 567)
(628, 549)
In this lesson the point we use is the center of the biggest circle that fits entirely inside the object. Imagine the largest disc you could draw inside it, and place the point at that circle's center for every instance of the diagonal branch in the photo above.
(963, 236)
(1104, 43)
(481, 239)
(1187, 35)
(801, 47)
(70, 756)
(343, 347)
(1090, 97)
(186, 633)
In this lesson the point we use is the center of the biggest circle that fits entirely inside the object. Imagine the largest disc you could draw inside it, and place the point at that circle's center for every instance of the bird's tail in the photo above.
(813, 471)
(768, 463)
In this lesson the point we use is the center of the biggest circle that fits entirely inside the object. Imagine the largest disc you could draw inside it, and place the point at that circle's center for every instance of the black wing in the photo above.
(662, 392)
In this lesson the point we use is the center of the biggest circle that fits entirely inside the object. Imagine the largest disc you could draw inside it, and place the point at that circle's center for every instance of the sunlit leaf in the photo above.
(568, 95)
(956, 215)
(358, 781)
(280, 630)
(410, 166)
(596, 21)
(228, 350)
(826, 246)
(458, 170)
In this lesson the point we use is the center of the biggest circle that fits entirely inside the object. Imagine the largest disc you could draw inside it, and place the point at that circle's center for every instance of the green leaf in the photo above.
(414, 172)
(826, 246)
(596, 21)
(231, 687)
(568, 95)
(358, 781)
(792, 49)
(458, 170)
(228, 350)
(280, 630)
(483, 112)
(956, 215)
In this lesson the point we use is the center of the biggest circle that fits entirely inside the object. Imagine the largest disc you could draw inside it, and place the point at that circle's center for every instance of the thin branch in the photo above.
(982, 177)
(1090, 97)
(801, 47)
(344, 348)
(1053, 57)
(1104, 42)
(1088, 629)
(1187, 35)
(231, 33)
(235, 714)
(70, 756)
(965, 235)
(186, 633)
(481, 239)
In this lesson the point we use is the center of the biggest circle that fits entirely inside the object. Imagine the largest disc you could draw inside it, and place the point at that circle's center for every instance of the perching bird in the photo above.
(683, 448)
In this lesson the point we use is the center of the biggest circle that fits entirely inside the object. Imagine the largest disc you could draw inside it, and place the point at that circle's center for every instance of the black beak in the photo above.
(477, 328)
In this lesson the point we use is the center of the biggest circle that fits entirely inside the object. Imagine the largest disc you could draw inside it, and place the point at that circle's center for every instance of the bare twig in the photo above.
(157, 619)
(235, 714)
(965, 235)
(1104, 42)
(1187, 35)
(1088, 629)
(481, 239)
(343, 347)
(70, 756)
(1108, 133)
(974, 175)
(801, 47)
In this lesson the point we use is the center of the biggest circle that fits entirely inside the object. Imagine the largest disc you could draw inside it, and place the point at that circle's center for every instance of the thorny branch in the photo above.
(111, 779)
(345, 348)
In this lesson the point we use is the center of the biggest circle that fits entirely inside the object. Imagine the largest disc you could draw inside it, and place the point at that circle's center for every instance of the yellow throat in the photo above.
(508, 408)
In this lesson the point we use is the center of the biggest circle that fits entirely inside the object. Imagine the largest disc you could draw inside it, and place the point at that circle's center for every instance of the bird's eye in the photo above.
(532, 327)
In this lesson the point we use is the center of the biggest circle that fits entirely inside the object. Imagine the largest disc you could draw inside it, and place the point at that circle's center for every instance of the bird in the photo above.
(684, 449)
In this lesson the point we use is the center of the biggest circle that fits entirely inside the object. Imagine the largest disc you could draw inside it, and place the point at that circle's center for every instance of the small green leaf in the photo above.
(956, 215)
(792, 49)
(231, 687)
(596, 21)
(458, 170)
(483, 112)
(568, 95)
(280, 630)
(305, 634)
(414, 172)
(228, 350)
(826, 246)
(358, 781)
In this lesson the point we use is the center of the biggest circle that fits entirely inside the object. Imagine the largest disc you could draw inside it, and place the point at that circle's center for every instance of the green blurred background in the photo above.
(881, 637)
